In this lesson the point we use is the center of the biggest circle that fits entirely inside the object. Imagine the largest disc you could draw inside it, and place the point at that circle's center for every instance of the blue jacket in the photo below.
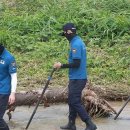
(7, 67)
(78, 51)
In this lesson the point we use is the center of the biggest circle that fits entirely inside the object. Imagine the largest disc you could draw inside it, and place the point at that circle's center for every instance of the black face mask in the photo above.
(69, 36)
(1, 49)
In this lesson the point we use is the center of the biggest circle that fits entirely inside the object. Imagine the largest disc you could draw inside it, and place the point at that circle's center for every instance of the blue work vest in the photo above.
(78, 51)
(7, 67)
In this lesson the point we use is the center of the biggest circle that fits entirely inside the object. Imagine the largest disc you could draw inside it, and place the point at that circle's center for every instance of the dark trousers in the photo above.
(75, 88)
(3, 106)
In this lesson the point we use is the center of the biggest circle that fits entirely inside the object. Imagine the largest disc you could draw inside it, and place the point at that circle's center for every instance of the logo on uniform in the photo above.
(2, 62)
(13, 64)
(74, 50)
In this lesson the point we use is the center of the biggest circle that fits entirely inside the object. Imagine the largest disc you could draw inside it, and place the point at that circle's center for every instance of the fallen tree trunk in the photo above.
(94, 105)
(112, 93)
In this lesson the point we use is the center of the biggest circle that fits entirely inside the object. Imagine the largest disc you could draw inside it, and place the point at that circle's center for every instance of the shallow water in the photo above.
(52, 117)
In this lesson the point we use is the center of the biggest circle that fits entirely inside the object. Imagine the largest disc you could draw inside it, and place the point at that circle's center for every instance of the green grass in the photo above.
(30, 28)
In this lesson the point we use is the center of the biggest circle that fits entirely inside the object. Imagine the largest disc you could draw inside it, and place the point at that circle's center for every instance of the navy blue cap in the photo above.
(69, 26)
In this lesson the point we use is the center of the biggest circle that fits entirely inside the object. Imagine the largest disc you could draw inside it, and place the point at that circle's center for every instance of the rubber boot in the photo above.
(90, 125)
(69, 126)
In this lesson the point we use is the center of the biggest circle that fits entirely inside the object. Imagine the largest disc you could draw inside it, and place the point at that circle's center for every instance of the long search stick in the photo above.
(122, 108)
(39, 100)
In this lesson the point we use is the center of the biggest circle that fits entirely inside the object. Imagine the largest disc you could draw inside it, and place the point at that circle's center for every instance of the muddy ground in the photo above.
(52, 117)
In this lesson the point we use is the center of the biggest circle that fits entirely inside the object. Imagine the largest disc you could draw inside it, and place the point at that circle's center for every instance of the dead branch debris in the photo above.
(94, 105)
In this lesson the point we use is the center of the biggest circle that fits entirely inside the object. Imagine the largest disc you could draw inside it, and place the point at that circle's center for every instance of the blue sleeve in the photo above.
(12, 66)
(76, 51)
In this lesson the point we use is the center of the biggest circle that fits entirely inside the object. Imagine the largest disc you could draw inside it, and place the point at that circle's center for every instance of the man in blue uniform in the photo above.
(8, 83)
(77, 78)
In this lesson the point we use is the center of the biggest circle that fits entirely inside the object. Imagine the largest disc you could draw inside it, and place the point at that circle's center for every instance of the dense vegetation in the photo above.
(30, 28)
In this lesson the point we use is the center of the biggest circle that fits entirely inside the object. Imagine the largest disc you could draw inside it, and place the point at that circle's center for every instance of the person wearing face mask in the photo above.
(77, 78)
(8, 83)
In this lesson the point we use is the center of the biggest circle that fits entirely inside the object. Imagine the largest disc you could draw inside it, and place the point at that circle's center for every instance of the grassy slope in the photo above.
(30, 30)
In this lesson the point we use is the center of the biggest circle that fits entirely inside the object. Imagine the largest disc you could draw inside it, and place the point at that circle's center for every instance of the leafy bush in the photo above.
(30, 28)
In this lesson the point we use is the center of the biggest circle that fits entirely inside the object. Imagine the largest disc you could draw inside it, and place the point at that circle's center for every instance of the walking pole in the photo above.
(39, 100)
(122, 108)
